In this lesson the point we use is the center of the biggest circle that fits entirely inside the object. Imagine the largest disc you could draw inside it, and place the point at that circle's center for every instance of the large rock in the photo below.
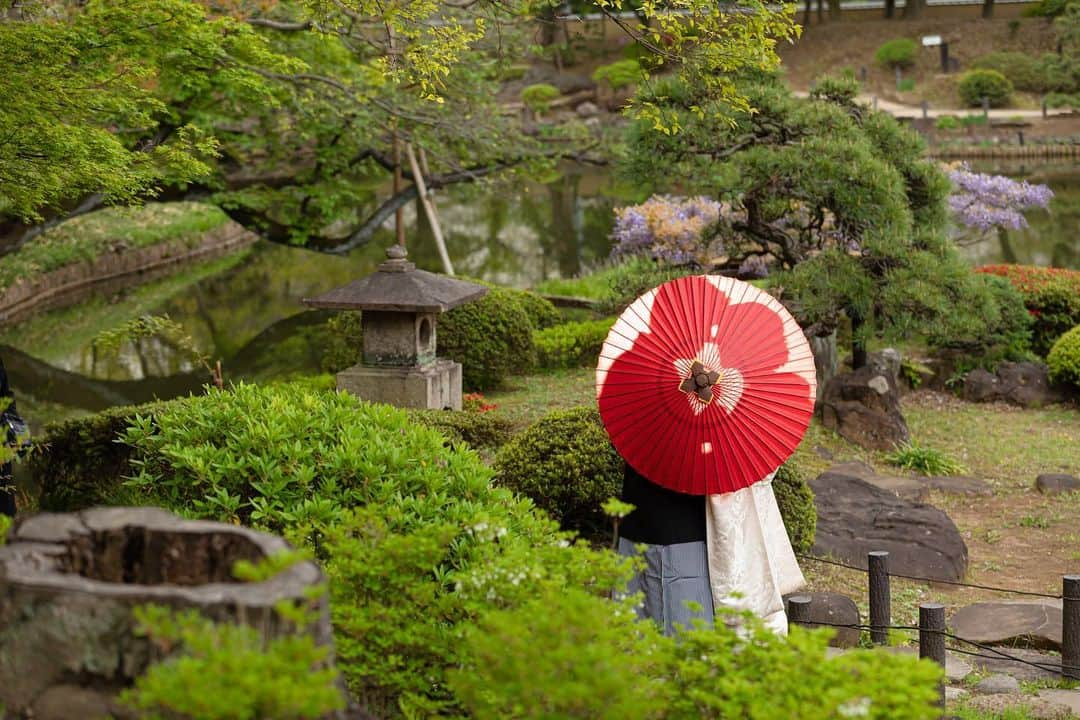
(832, 609)
(69, 584)
(1056, 483)
(864, 408)
(1024, 383)
(886, 362)
(856, 517)
(1029, 624)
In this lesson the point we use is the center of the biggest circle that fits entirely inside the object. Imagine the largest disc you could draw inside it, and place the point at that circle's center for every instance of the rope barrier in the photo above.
(998, 654)
(932, 580)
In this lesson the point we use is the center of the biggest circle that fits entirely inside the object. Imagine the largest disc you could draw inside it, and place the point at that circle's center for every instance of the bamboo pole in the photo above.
(429, 209)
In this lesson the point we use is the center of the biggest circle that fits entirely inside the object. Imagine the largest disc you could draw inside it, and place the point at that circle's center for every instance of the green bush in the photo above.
(975, 85)
(897, 53)
(224, 671)
(796, 502)
(478, 429)
(344, 342)
(542, 314)
(570, 656)
(947, 122)
(619, 74)
(566, 464)
(538, 97)
(1024, 71)
(637, 275)
(571, 344)
(78, 463)
(490, 337)
(1064, 358)
(1051, 296)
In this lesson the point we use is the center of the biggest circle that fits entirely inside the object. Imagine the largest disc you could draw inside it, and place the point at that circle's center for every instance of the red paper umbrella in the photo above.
(706, 384)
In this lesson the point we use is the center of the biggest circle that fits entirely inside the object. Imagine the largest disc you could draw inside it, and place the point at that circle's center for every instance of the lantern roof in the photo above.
(397, 286)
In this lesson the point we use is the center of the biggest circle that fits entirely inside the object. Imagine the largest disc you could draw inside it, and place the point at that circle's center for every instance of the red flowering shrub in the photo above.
(476, 402)
(1051, 296)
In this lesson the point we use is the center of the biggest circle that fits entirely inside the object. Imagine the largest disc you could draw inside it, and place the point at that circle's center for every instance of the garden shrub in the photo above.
(571, 656)
(344, 343)
(923, 459)
(1028, 73)
(636, 276)
(796, 502)
(78, 463)
(225, 671)
(897, 53)
(570, 345)
(1064, 358)
(619, 74)
(538, 97)
(542, 314)
(947, 122)
(490, 337)
(566, 464)
(975, 85)
(1051, 296)
(478, 429)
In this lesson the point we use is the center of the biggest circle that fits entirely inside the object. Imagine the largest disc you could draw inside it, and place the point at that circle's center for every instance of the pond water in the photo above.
(247, 310)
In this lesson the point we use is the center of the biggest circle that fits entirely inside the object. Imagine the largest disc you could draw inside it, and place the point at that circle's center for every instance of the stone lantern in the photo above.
(400, 305)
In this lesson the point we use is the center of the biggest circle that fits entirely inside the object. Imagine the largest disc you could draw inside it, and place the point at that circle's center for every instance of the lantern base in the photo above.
(435, 386)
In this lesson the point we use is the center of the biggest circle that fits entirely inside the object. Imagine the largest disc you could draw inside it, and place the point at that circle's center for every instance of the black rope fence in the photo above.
(932, 627)
(917, 578)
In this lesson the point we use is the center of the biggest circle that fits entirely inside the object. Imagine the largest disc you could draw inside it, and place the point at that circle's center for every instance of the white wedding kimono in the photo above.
(750, 559)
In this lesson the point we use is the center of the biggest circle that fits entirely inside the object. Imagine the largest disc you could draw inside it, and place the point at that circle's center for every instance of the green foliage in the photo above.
(571, 344)
(538, 97)
(925, 460)
(1064, 358)
(5, 525)
(64, 99)
(223, 671)
(975, 85)
(87, 238)
(344, 341)
(108, 342)
(78, 463)
(1050, 295)
(1050, 73)
(906, 85)
(566, 464)
(897, 53)
(796, 502)
(542, 314)
(637, 275)
(479, 429)
(947, 122)
(619, 74)
(572, 656)
(490, 337)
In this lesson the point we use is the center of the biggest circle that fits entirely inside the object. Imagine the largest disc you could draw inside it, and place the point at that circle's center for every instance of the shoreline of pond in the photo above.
(117, 270)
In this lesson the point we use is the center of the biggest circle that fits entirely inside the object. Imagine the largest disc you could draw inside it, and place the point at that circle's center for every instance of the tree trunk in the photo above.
(988, 9)
(890, 9)
(834, 9)
(820, 11)
(808, 12)
(825, 359)
(913, 9)
(858, 344)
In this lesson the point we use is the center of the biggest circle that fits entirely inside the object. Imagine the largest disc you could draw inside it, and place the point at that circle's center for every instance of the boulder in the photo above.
(886, 362)
(69, 584)
(587, 109)
(958, 485)
(864, 408)
(856, 517)
(1056, 483)
(566, 82)
(997, 684)
(1025, 384)
(831, 609)
(1027, 624)
(907, 487)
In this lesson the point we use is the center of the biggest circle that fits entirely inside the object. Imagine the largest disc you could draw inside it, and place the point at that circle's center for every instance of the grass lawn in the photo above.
(1016, 538)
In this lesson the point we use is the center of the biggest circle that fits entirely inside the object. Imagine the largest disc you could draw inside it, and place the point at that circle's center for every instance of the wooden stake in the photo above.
(429, 210)
(399, 214)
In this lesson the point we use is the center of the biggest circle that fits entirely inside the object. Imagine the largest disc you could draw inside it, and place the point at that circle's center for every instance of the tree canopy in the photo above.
(838, 197)
(287, 114)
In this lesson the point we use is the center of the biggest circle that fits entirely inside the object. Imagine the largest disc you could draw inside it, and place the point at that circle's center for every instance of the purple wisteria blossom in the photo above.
(665, 228)
(982, 201)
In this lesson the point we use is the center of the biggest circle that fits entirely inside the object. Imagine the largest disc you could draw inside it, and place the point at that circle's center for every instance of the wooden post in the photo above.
(1070, 626)
(1044, 108)
(986, 108)
(925, 109)
(399, 214)
(932, 639)
(429, 210)
(799, 610)
(880, 601)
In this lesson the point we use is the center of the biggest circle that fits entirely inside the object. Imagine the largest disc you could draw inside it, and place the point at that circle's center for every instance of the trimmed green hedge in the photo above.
(796, 502)
(897, 53)
(975, 85)
(1064, 358)
(570, 345)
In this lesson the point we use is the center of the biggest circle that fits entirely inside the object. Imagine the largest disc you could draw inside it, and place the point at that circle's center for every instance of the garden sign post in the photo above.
(400, 305)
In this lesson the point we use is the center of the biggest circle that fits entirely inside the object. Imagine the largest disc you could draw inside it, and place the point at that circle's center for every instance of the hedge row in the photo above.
(1051, 296)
